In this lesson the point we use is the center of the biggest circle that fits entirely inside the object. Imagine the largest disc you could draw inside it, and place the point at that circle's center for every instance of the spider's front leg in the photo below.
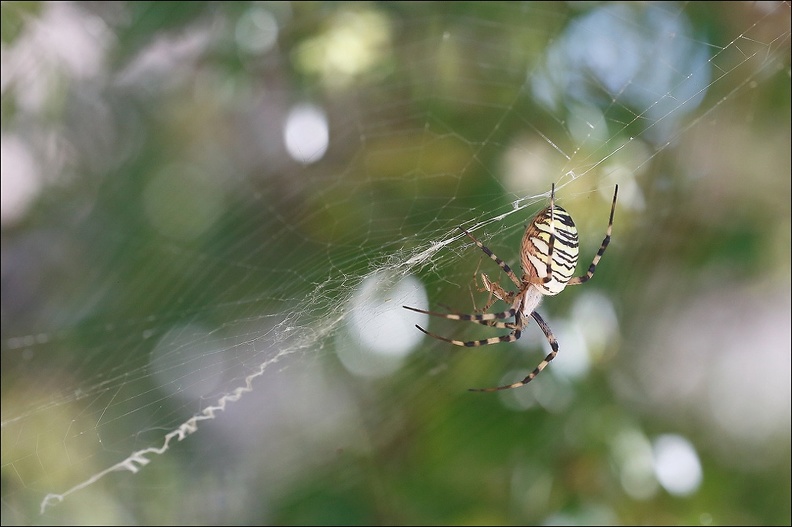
(542, 365)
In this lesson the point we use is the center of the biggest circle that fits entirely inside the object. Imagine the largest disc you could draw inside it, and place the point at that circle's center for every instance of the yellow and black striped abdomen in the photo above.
(535, 250)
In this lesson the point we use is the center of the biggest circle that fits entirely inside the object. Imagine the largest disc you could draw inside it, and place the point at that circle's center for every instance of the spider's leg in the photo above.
(499, 325)
(490, 299)
(553, 345)
(581, 279)
(496, 292)
(511, 337)
(503, 265)
(464, 317)
(551, 240)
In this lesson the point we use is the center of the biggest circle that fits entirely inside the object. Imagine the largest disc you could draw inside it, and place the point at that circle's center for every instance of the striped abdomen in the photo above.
(535, 249)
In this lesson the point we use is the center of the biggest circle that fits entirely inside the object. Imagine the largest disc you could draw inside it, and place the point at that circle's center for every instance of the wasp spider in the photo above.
(549, 254)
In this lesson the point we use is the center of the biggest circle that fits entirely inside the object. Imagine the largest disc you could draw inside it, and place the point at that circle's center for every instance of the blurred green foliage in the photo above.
(169, 245)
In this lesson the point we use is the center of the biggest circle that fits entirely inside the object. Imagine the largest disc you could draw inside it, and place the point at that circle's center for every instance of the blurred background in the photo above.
(212, 214)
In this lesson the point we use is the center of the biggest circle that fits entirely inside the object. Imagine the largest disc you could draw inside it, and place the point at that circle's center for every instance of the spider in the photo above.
(549, 254)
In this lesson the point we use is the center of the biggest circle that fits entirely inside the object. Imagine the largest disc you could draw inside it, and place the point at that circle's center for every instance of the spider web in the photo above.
(213, 215)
